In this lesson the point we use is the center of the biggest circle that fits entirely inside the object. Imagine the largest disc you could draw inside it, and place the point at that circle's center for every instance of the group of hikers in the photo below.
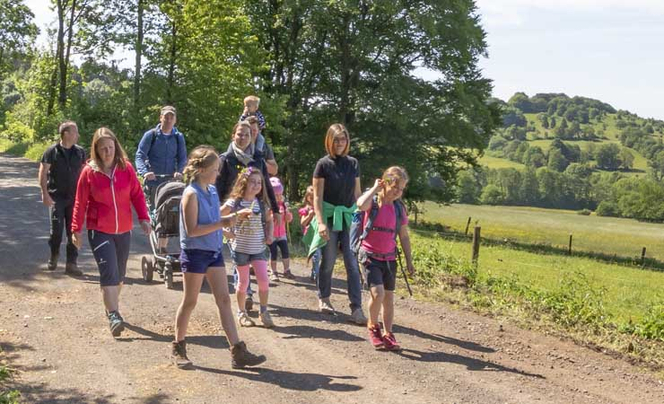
(233, 196)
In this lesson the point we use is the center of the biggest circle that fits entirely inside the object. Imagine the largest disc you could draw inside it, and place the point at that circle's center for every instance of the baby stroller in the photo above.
(165, 222)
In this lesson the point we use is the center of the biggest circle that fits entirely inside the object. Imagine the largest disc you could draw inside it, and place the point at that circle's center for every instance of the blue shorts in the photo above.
(198, 261)
(241, 259)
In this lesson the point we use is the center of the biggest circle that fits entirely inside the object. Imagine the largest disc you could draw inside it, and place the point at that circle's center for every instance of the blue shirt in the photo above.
(166, 155)
(208, 213)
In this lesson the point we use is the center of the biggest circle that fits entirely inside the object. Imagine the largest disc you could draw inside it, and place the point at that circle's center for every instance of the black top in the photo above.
(66, 165)
(339, 174)
(228, 171)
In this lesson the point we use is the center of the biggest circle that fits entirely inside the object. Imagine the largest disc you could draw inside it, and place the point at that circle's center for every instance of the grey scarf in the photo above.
(245, 156)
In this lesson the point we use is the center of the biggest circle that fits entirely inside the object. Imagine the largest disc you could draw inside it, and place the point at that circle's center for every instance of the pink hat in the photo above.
(276, 185)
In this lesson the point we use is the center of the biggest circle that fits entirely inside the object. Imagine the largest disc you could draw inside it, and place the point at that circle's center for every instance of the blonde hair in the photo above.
(392, 174)
(242, 180)
(120, 157)
(332, 131)
(252, 100)
(308, 194)
(200, 158)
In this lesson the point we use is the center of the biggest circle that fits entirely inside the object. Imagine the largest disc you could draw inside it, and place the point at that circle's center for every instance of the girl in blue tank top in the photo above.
(200, 241)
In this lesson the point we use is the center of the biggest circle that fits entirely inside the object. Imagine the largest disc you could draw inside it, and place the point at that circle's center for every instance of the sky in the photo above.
(610, 50)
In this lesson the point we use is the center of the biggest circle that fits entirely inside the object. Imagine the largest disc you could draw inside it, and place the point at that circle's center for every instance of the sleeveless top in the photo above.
(208, 212)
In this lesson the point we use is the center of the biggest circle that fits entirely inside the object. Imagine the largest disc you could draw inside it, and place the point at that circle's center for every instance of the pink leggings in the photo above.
(260, 269)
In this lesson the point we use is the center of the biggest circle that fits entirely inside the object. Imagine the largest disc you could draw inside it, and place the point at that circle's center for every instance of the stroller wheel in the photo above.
(147, 269)
(168, 277)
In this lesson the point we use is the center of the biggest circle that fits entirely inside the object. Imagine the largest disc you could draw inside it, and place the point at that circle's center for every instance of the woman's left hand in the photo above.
(269, 240)
(76, 239)
(145, 226)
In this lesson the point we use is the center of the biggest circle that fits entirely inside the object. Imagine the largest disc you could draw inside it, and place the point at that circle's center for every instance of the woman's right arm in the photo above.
(319, 189)
(80, 208)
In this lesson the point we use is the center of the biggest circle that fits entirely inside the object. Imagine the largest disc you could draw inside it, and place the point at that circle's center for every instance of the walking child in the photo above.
(307, 214)
(248, 245)
(378, 250)
(280, 236)
(201, 226)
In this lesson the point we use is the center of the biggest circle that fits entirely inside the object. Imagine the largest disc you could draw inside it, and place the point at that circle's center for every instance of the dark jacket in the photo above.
(63, 172)
(228, 171)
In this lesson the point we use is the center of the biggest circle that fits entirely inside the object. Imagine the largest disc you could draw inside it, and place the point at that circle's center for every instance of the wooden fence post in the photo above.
(476, 244)
(569, 249)
(643, 257)
(468, 224)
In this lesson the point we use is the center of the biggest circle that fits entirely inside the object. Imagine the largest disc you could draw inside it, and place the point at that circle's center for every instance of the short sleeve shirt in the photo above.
(249, 234)
(339, 174)
(65, 168)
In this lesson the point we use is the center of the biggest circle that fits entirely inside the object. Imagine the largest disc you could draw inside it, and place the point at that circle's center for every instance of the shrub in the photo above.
(607, 208)
(585, 212)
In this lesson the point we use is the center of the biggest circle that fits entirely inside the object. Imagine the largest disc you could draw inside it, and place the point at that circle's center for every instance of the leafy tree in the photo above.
(468, 188)
(492, 195)
(557, 162)
(497, 142)
(545, 121)
(17, 31)
(626, 159)
(534, 157)
(529, 189)
(521, 102)
(608, 156)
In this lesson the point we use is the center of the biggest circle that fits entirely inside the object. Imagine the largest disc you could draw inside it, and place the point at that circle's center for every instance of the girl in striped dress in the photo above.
(249, 241)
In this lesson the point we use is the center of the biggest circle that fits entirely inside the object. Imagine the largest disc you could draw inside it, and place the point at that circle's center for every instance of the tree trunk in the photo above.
(64, 57)
(139, 54)
(171, 68)
(58, 53)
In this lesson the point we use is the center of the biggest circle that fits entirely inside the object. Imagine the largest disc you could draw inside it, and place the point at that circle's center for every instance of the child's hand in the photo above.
(228, 234)
(410, 269)
(243, 214)
(245, 112)
(269, 240)
(379, 184)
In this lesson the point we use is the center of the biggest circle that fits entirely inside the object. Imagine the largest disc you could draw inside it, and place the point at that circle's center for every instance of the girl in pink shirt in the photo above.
(378, 250)
(279, 233)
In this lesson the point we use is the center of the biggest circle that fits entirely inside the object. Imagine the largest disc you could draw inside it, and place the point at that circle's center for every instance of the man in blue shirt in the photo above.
(161, 152)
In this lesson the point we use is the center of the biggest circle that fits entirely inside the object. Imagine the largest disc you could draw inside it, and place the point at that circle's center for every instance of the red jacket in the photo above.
(107, 204)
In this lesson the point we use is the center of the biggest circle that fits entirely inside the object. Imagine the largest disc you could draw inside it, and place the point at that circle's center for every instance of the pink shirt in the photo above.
(304, 212)
(382, 242)
(286, 216)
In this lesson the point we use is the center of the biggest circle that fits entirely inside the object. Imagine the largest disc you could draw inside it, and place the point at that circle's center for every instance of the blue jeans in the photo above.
(352, 269)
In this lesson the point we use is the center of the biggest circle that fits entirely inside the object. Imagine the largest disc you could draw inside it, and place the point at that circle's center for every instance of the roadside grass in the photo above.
(609, 307)
(33, 151)
(537, 226)
(7, 396)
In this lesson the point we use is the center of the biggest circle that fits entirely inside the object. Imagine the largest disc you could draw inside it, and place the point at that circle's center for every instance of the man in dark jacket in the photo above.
(60, 167)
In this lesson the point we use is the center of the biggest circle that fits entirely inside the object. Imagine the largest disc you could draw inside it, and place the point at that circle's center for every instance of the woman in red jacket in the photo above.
(107, 189)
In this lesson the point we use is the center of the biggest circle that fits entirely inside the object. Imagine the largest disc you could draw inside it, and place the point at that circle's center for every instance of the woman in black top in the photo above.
(337, 187)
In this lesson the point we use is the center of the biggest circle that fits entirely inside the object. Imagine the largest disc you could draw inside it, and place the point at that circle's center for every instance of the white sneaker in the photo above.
(325, 306)
(245, 320)
(357, 317)
(266, 319)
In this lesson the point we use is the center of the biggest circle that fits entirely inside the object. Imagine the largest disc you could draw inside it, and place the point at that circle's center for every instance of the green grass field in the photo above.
(623, 237)
(629, 291)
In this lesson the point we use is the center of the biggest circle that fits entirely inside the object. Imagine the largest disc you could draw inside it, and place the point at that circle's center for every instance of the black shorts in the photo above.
(283, 246)
(381, 273)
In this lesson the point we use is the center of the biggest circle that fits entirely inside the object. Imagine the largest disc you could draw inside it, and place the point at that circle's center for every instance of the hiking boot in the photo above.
(241, 357)
(390, 343)
(375, 337)
(357, 317)
(52, 262)
(249, 304)
(115, 323)
(325, 306)
(266, 319)
(72, 269)
(179, 354)
(244, 320)
(288, 275)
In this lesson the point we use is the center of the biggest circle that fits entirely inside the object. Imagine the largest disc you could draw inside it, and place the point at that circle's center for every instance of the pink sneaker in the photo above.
(374, 336)
(390, 343)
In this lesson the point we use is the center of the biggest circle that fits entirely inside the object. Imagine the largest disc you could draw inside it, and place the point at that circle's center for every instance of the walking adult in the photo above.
(261, 145)
(161, 156)
(107, 189)
(336, 189)
(59, 169)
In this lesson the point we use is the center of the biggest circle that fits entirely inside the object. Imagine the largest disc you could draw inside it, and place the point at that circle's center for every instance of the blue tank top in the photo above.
(208, 212)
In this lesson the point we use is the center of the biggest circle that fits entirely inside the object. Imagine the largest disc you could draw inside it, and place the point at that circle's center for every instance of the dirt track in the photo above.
(53, 330)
